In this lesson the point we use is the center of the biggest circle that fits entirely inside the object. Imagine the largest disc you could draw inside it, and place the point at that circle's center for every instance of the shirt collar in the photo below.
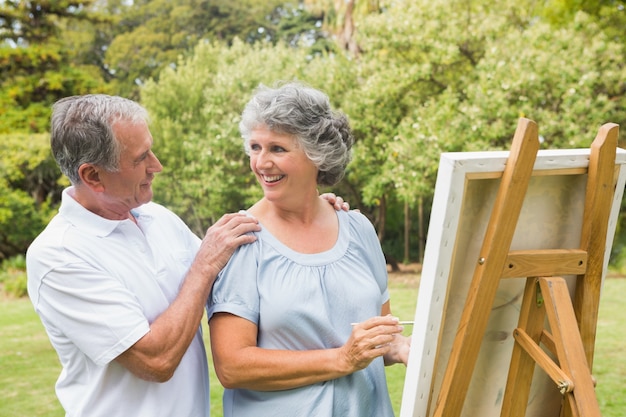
(86, 220)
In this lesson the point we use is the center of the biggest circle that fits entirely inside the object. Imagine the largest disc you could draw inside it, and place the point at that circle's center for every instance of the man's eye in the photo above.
(141, 159)
(255, 147)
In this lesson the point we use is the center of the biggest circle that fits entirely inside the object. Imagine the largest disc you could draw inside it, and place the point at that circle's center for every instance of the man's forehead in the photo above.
(133, 135)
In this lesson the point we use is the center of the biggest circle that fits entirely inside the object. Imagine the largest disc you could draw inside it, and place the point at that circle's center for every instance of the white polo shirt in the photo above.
(97, 284)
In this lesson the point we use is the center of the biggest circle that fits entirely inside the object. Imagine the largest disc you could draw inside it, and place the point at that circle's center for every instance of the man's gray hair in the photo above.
(82, 131)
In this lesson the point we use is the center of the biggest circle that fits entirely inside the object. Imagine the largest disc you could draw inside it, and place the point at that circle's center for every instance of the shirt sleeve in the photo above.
(235, 291)
(366, 237)
(93, 310)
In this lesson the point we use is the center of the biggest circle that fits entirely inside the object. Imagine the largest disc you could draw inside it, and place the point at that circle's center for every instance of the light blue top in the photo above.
(303, 302)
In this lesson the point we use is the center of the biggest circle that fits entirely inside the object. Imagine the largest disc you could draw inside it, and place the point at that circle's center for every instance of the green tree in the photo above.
(341, 17)
(401, 68)
(36, 66)
(461, 81)
(429, 77)
(433, 77)
(29, 182)
(609, 14)
(152, 34)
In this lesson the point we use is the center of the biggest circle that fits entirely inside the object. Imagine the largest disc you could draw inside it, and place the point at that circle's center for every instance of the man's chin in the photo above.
(146, 196)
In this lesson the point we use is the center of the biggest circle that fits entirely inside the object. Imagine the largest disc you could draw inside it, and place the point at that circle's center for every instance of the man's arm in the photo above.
(156, 355)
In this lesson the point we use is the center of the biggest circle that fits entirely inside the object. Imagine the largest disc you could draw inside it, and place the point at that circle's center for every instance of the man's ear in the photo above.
(90, 176)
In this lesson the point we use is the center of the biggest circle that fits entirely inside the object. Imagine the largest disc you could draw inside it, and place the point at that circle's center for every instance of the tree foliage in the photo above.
(434, 76)
(416, 78)
(29, 182)
(471, 73)
(37, 67)
(152, 35)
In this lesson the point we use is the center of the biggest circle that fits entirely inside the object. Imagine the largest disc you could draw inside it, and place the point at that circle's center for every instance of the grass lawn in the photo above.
(29, 367)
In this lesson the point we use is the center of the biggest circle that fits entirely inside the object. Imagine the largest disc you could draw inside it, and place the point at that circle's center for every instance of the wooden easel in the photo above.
(572, 334)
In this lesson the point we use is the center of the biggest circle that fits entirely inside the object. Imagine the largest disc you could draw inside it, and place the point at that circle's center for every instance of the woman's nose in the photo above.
(263, 160)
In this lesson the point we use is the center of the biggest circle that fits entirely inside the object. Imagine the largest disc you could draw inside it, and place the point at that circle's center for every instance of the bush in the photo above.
(13, 276)
(30, 189)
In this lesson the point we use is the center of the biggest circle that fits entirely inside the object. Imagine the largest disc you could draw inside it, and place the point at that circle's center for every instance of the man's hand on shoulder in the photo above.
(336, 201)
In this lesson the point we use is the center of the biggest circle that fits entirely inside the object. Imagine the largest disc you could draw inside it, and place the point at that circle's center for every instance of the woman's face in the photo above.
(280, 165)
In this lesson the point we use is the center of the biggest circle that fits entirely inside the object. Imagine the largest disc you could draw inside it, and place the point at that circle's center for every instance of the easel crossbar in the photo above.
(546, 363)
(549, 262)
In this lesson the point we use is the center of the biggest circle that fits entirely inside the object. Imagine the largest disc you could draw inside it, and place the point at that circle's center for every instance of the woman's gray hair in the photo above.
(305, 113)
(82, 131)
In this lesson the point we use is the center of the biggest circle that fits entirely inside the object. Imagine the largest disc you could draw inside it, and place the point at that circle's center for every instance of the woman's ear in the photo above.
(90, 176)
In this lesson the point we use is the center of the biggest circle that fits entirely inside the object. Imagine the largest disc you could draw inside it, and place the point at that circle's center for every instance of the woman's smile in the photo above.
(271, 178)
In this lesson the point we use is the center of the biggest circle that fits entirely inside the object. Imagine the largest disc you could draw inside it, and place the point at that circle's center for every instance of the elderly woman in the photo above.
(283, 313)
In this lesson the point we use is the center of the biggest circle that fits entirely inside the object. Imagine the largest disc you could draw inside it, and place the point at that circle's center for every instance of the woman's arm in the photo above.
(239, 363)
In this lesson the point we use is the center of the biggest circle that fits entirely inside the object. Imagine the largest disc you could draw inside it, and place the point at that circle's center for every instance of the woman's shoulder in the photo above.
(359, 226)
(358, 218)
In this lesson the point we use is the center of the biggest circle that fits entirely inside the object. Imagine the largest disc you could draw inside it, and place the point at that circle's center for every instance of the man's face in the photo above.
(131, 186)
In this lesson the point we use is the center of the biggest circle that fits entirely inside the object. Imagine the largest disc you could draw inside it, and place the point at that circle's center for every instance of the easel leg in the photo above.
(600, 191)
(532, 316)
(569, 346)
(488, 271)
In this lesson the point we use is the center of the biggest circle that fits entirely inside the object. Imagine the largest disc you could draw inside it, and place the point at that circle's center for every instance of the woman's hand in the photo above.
(399, 351)
(370, 339)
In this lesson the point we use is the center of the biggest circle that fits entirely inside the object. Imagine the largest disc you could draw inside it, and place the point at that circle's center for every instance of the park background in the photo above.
(416, 78)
